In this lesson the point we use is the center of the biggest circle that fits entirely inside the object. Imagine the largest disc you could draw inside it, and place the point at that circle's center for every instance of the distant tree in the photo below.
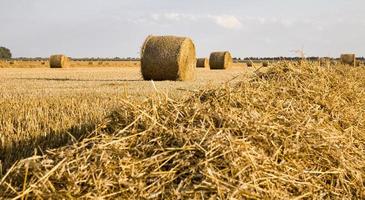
(5, 53)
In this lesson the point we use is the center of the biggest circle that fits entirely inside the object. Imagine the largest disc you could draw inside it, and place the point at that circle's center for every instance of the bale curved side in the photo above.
(220, 60)
(202, 63)
(348, 59)
(58, 61)
(168, 58)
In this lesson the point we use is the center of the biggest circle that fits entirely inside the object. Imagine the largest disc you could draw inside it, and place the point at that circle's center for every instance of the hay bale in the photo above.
(58, 61)
(220, 60)
(265, 63)
(249, 64)
(168, 58)
(202, 63)
(348, 59)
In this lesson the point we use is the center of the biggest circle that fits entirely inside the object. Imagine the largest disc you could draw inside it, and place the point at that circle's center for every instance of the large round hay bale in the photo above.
(220, 60)
(168, 58)
(348, 59)
(202, 63)
(58, 61)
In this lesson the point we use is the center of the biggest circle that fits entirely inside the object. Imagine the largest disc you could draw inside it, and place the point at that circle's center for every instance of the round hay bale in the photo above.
(249, 64)
(202, 63)
(265, 63)
(220, 60)
(348, 59)
(168, 58)
(58, 61)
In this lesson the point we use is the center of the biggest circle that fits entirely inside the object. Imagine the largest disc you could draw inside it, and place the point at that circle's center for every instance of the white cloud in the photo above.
(227, 21)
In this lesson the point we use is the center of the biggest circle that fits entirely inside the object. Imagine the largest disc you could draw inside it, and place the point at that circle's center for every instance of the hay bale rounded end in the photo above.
(220, 60)
(202, 63)
(348, 59)
(59, 61)
(168, 58)
(265, 63)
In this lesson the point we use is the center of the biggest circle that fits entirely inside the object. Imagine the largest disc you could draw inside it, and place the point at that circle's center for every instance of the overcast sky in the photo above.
(110, 28)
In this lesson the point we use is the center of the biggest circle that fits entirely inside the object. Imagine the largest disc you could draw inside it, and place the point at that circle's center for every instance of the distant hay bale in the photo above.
(249, 64)
(168, 58)
(43, 63)
(348, 59)
(58, 61)
(265, 63)
(12, 62)
(220, 60)
(90, 63)
(202, 63)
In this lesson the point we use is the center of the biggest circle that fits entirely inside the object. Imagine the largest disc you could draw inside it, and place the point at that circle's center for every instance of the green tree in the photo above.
(5, 53)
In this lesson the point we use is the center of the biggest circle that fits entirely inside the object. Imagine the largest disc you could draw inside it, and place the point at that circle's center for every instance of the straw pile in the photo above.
(220, 60)
(288, 133)
(348, 59)
(202, 63)
(168, 58)
(58, 61)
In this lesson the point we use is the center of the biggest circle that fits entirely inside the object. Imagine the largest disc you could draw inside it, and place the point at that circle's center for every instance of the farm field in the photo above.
(52, 104)
(286, 131)
(73, 64)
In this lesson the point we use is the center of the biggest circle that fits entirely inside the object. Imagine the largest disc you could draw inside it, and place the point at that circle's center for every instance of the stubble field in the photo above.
(45, 108)
(290, 131)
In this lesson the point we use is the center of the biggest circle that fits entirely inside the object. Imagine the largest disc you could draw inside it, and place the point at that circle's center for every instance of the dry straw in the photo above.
(58, 61)
(220, 60)
(287, 133)
(348, 59)
(168, 58)
(359, 63)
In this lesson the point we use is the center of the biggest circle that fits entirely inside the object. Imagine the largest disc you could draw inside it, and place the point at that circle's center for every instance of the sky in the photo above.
(117, 28)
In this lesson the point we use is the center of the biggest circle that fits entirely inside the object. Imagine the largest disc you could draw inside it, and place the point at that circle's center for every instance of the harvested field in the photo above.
(72, 64)
(51, 104)
(290, 132)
